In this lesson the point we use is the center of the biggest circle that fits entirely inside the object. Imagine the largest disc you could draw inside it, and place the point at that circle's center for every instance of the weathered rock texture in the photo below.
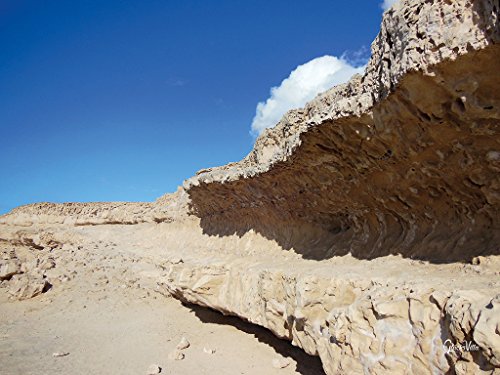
(350, 228)
(404, 159)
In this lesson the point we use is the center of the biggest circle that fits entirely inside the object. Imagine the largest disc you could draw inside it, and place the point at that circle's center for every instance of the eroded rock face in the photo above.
(401, 160)
(9, 268)
(356, 325)
(166, 209)
(26, 271)
(301, 236)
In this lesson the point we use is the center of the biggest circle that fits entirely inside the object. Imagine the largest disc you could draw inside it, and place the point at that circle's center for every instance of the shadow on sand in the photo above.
(306, 364)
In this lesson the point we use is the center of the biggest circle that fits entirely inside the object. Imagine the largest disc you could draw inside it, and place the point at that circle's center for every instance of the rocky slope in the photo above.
(363, 228)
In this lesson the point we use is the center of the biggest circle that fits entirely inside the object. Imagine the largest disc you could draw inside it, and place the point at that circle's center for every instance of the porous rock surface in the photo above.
(405, 156)
(364, 228)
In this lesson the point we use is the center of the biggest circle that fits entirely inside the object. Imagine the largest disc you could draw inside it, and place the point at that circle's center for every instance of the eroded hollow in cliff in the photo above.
(417, 176)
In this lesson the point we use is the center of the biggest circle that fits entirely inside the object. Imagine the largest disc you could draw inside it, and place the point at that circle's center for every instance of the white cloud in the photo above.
(302, 85)
(388, 3)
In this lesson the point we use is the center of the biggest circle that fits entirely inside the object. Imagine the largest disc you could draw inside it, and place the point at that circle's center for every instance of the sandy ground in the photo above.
(111, 321)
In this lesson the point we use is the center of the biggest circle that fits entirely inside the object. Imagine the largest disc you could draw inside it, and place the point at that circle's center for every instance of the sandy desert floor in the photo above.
(110, 320)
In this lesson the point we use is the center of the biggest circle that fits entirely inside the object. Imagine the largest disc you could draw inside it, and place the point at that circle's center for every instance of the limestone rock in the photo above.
(208, 350)
(46, 264)
(24, 287)
(153, 370)
(363, 168)
(183, 344)
(176, 355)
(489, 322)
(9, 268)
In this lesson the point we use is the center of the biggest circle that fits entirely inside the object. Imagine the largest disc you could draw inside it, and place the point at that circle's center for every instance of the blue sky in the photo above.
(123, 100)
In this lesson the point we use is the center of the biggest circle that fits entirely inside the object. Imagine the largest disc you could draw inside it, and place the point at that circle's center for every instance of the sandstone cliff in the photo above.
(351, 227)
(401, 160)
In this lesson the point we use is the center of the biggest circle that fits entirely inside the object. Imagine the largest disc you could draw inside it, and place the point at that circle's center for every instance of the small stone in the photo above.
(183, 344)
(47, 264)
(176, 355)
(153, 370)
(9, 269)
(25, 287)
(281, 362)
(60, 354)
(208, 350)
(176, 260)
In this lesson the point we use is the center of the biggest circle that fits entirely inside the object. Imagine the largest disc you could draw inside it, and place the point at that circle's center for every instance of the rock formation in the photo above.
(364, 228)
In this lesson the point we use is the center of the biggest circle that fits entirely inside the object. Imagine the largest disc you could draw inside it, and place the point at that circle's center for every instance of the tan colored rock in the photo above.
(24, 286)
(46, 264)
(333, 192)
(176, 355)
(9, 268)
(183, 344)
(489, 322)
(153, 370)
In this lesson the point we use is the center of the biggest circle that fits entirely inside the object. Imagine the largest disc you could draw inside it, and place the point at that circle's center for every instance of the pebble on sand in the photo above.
(281, 362)
(153, 370)
(176, 355)
(183, 344)
(60, 354)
